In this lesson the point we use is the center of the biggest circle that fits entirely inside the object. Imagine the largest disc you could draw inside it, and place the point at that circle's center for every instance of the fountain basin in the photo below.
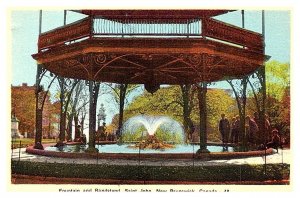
(144, 154)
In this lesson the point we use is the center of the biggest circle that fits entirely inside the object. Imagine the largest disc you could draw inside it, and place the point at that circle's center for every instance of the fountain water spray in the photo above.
(152, 123)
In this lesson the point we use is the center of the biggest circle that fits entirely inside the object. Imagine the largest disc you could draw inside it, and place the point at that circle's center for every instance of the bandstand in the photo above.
(151, 47)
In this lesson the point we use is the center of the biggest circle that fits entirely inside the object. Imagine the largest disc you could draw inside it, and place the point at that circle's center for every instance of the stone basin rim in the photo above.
(136, 156)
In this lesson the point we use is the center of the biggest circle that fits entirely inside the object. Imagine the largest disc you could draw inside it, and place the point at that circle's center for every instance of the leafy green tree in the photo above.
(278, 94)
(167, 101)
(218, 101)
(119, 94)
(278, 78)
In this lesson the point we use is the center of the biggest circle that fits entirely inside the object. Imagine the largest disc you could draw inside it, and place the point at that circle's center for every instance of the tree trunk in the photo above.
(64, 109)
(123, 89)
(62, 129)
(70, 128)
(77, 129)
(242, 109)
(187, 122)
(62, 124)
(82, 124)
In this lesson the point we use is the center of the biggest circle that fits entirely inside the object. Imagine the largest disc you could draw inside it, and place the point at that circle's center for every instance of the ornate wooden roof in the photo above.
(144, 61)
(86, 50)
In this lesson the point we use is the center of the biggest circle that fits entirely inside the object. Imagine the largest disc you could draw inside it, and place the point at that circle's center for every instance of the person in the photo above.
(224, 128)
(262, 132)
(235, 129)
(275, 142)
(251, 128)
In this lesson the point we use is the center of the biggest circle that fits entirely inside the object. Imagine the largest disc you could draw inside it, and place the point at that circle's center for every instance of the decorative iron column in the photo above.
(264, 92)
(202, 90)
(94, 90)
(62, 123)
(39, 99)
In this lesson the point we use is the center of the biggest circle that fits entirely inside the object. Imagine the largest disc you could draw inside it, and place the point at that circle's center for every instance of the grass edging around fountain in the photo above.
(134, 156)
(221, 173)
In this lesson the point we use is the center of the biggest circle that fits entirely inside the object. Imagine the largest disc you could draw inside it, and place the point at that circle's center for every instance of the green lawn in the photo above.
(28, 141)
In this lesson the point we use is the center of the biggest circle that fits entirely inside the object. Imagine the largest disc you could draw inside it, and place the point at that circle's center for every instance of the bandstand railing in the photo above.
(143, 27)
(207, 28)
(61, 35)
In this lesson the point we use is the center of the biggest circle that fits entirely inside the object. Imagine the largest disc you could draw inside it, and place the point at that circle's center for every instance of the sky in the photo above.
(24, 33)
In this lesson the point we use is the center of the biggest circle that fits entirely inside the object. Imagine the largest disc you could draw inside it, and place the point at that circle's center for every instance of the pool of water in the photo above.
(115, 148)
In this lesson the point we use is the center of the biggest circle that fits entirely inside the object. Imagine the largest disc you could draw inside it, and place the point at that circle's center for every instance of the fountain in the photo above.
(147, 137)
(153, 137)
(152, 132)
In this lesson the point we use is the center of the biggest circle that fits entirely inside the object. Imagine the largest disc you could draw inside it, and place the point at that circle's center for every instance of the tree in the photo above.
(66, 88)
(278, 78)
(119, 94)
(187, 104)
(162, 102)
(23, 106)
(278, 94)
(168, 101)
(218, 101)
(277, 82)
(239, 88)
(77, 101)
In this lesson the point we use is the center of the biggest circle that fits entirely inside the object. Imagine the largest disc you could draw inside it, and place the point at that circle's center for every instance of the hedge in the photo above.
(158, 173)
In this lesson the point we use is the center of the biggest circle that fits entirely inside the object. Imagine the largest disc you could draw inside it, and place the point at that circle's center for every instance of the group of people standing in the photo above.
(230, 132)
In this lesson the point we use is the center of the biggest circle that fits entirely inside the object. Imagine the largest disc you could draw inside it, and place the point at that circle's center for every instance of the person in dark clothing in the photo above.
(251, 129)
(275, 142)
(266, 130)
(232, 134)
(235, 125)
(224, 128)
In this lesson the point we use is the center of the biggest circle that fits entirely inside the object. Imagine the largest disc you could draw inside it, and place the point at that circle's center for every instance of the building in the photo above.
(23, 106)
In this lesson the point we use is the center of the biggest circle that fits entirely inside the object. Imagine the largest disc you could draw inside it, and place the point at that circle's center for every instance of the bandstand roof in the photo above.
(153, 14)
(151, 57)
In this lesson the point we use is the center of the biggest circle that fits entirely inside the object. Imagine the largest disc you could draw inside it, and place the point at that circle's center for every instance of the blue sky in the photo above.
(24, 29)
